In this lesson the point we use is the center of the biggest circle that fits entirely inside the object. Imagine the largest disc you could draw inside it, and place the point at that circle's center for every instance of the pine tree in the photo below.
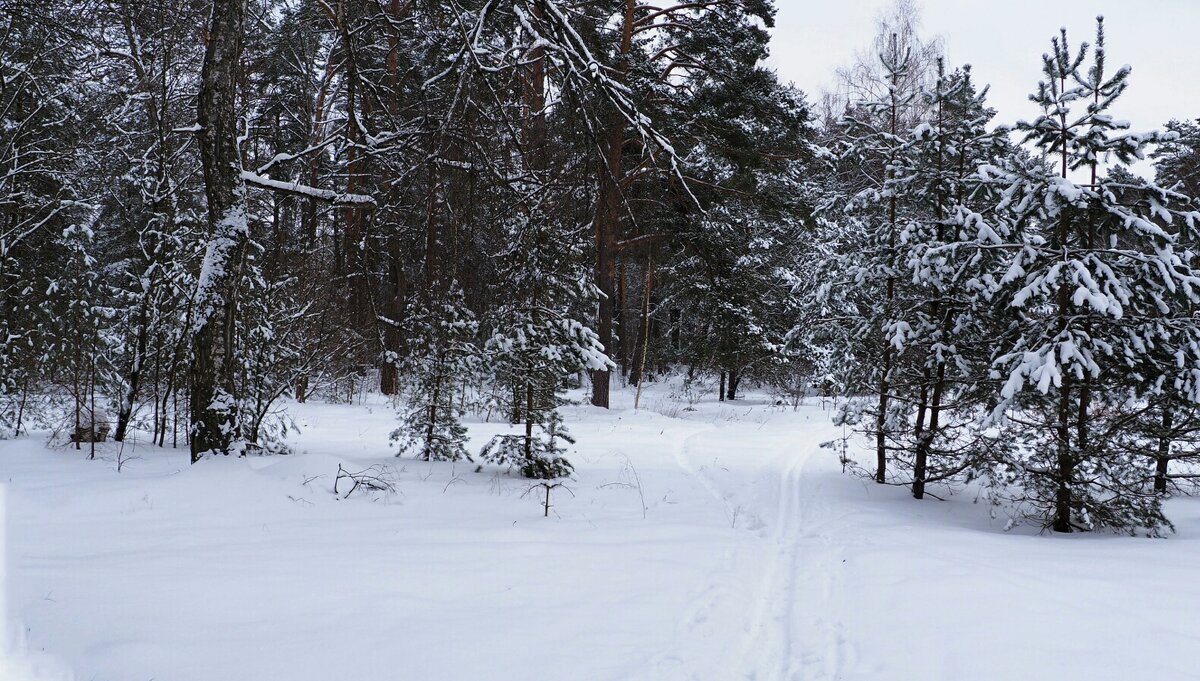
(445, 363)
(1101, 303)
(940, 329)
(537, 343)
(726, 273)
(1177, 158)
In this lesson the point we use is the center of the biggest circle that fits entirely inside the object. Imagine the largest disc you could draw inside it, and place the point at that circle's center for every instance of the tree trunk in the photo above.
(925, 442)
(125, 413)
(1066, 465)
(353, 215)
(302, 388)
(920, 455)
(642, 343)
(529, 419)
(621, 323)
(389, 375)
(213, 407)
(735, 377)
(1163, 460)
(676, 332)
(881, 422)
(607, 220)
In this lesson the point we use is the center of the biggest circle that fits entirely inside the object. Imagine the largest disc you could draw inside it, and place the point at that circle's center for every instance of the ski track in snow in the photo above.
(788, 634)
(767, 642)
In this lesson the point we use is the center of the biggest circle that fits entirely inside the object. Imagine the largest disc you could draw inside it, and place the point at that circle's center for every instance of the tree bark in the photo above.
(925, 442)
(353, 215)
(125, 413)
(213, 406)
(1163, 460)
(1066, 463)
(389, 375)
(607, 220)
(644, 341)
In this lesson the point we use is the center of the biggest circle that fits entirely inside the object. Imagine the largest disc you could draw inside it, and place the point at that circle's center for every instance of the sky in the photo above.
(1004, 42)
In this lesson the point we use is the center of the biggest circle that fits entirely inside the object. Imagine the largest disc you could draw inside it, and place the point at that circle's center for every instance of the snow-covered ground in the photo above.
(718, 544)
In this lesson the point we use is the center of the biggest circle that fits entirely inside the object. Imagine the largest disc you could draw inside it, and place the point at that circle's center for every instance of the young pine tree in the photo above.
(940, 327)
(1101, 303)
(537, 343)
(445, 362)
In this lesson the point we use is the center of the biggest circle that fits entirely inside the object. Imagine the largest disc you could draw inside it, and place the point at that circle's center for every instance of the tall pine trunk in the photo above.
(1066, 461)
(931, 396)
(607, 220)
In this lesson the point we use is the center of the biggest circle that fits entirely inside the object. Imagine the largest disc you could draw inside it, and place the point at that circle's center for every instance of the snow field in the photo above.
(756, 559)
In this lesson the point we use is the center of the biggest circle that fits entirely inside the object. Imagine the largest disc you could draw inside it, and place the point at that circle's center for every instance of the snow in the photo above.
(722, 543)
(331, 196)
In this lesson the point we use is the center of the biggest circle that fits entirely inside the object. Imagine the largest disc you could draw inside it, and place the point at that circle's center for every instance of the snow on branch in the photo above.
(327, 195)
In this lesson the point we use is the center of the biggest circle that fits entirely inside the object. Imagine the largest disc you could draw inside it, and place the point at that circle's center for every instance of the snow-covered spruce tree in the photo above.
(537, 343)
(77, 322)
(445, 360)
(941, 327)
(1102, 303)
(1164, 424)
(1174, 424)
(146, 186)
(737, 302)
(267, 355)
(826, 331)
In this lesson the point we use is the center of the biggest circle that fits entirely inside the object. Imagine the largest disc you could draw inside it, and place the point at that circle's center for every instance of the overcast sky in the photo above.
(1004, 40)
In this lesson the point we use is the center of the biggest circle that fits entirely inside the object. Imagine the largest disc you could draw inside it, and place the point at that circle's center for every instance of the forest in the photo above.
(210, 209)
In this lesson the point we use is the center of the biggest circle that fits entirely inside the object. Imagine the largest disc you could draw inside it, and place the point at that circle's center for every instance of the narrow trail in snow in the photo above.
(699, 619)
(791, 632)
(767, 643)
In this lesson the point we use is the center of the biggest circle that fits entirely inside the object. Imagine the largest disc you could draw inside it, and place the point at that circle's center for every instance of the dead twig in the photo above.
(548, 486)
(376, 478)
